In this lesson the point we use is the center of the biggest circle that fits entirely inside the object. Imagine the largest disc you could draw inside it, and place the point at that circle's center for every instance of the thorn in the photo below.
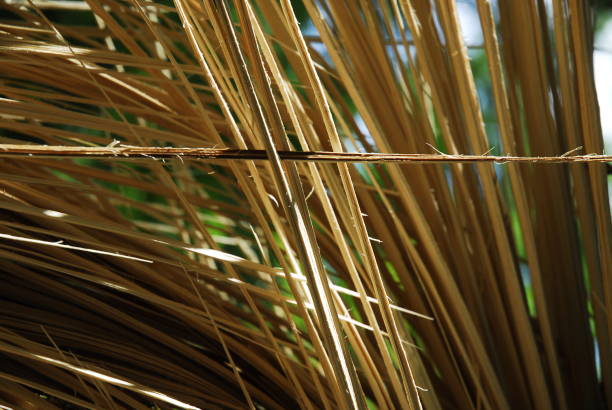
(273, 200)
(436, 149)
(572, 151)
(488, 151)
(310, 193)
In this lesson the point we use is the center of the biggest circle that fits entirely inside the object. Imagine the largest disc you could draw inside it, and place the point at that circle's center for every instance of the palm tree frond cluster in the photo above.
(237, 283)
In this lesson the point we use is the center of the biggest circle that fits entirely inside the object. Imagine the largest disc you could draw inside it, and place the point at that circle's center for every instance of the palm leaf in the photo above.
(183, 282)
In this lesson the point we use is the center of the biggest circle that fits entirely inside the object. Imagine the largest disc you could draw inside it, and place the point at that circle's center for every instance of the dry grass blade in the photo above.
(294, 204)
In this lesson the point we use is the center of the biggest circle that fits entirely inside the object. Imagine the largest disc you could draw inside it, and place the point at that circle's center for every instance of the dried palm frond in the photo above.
(260, 282)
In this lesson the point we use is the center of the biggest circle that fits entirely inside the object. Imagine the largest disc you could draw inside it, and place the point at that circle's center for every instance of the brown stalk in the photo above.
(122, 152)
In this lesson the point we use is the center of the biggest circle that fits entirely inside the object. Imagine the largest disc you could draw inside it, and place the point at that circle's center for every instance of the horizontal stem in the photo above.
(132, 152)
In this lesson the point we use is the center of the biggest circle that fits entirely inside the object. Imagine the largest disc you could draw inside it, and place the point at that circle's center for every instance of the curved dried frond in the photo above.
(181, 282)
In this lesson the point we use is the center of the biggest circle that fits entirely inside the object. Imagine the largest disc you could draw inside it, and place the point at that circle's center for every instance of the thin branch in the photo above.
(131, 152)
